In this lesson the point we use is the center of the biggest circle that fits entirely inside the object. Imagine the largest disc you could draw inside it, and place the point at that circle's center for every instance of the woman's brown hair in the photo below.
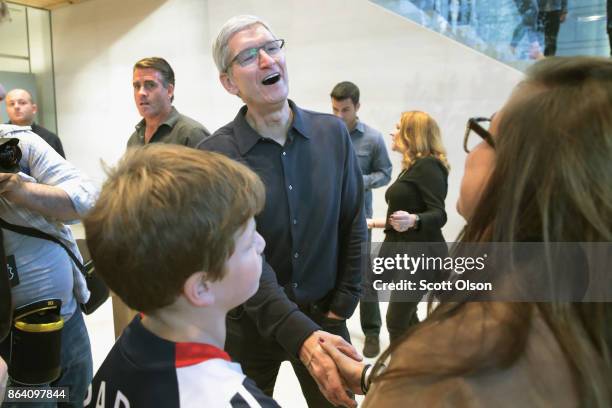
(552, 182)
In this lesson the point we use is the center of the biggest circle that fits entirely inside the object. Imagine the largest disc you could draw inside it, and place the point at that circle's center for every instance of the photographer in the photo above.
(45, 192)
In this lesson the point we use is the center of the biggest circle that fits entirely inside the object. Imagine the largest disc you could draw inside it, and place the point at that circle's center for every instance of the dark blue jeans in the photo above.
(369, 312)
(76, 361)
(549, 23)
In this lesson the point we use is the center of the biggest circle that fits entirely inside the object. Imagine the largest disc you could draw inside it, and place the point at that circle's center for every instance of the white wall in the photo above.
(41, 63)
(397, 64)
(96, 43)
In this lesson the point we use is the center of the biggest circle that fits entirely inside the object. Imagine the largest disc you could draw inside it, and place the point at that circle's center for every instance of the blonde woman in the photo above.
(415, 207)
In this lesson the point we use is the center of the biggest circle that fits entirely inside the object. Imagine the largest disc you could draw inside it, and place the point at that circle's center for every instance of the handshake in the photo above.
(336, 366)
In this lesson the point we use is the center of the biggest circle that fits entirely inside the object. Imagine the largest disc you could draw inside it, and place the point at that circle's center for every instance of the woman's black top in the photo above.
(419, 190)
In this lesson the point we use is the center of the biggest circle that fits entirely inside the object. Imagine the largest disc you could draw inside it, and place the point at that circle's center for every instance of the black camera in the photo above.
(10, 154)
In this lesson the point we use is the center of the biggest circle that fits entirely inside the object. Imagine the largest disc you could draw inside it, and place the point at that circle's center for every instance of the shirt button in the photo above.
(290, 187)
(294, 285)
(284, 153)
(294, 221)
(296, 255)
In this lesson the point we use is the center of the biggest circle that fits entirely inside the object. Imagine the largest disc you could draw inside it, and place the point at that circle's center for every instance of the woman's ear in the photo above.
(198, 291)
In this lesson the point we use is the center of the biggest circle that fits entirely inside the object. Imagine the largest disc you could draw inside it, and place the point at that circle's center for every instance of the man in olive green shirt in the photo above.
(153, 82)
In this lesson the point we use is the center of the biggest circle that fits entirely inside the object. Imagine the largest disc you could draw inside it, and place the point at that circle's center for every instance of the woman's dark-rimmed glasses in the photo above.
(475, 125)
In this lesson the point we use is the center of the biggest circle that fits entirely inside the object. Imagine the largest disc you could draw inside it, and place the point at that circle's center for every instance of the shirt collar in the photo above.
(188, 354)
(146, 349)
(11, 123)
(247, 137)
(359, 127)
(301, 122)
(9, 128)
(170, 121)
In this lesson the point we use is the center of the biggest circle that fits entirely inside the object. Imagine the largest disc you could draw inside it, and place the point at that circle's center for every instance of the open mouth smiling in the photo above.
(271, 79)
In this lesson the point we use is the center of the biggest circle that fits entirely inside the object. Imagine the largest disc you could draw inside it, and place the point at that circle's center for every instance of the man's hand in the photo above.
(9, 183)
(349, 369)
(376, 222)
(562, 17)
(323, 369)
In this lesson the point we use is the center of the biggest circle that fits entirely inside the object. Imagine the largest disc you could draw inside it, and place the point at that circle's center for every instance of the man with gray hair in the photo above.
(313, 220)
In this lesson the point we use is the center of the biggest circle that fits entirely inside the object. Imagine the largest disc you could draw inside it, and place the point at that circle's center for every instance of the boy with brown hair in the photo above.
(173, 235)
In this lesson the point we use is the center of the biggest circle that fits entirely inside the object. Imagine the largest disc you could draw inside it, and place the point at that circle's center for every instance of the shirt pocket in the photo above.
(364, 158)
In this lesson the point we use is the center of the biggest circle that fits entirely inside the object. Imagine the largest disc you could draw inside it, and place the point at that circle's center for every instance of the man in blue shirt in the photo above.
(376, 169)
(313, 220)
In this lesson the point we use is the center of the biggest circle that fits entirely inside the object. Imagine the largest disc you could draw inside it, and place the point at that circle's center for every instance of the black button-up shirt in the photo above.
(313, 221)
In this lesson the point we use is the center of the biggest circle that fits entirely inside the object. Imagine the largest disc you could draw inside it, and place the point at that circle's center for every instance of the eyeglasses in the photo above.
(480, 127)
(250, 55)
